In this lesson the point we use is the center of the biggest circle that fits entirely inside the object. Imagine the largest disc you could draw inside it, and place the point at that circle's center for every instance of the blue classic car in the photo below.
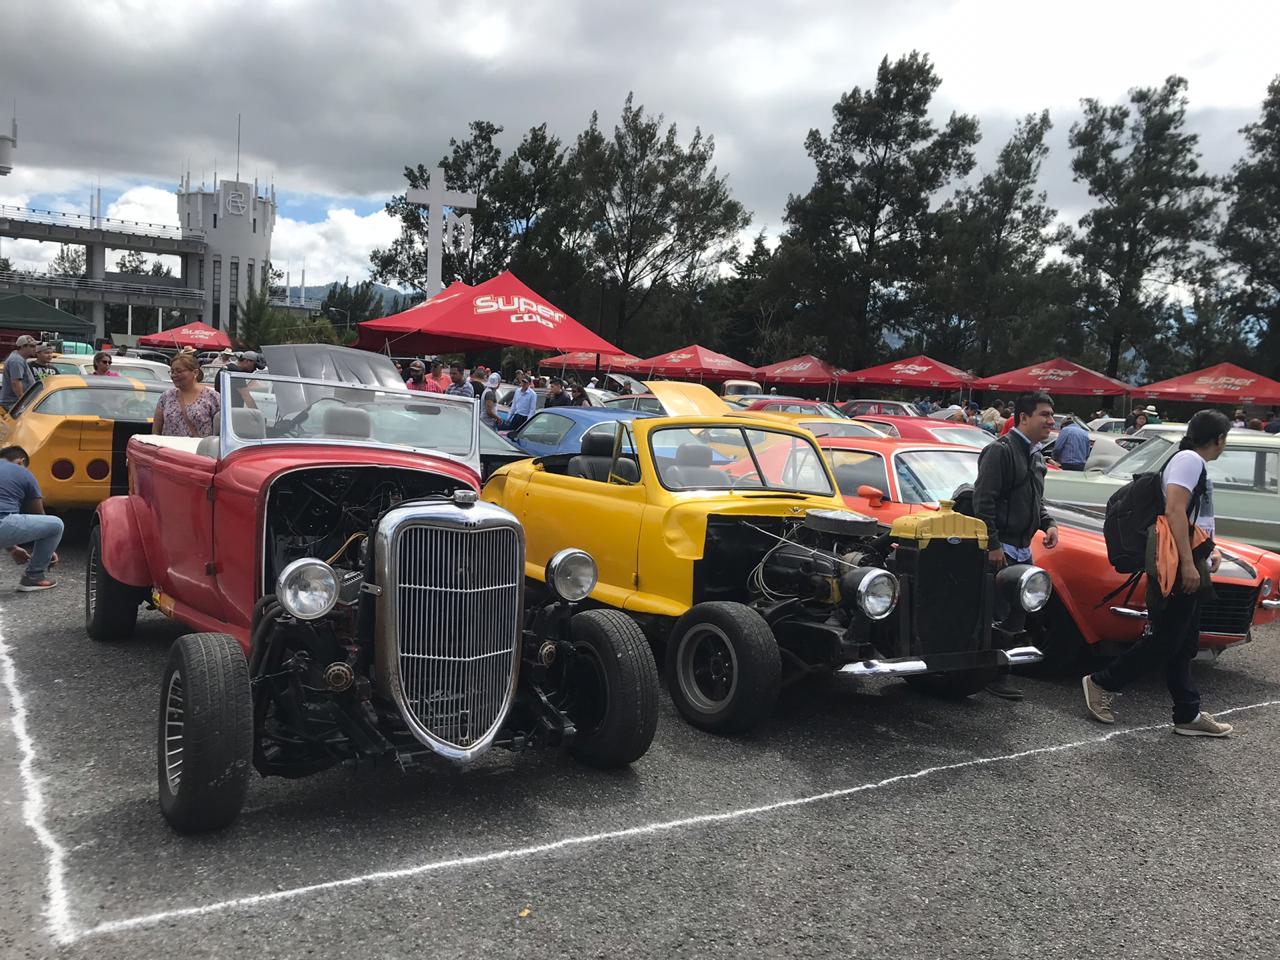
(560, 430)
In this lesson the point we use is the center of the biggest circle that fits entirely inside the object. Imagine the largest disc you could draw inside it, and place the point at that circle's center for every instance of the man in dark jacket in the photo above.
(1008, 495)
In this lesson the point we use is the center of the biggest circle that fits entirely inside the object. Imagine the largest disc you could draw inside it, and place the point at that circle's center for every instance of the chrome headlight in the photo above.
(876, 593)
(572, 575)
(307, 588)
(1034, 588)
(1267, 587)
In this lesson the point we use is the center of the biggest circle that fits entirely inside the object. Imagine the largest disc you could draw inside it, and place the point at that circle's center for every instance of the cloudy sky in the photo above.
(337, 97)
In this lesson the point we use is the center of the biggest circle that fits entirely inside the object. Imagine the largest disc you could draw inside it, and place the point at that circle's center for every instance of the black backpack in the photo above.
(1131, 511)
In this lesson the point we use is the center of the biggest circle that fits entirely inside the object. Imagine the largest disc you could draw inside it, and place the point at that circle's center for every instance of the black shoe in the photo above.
(1003, 689)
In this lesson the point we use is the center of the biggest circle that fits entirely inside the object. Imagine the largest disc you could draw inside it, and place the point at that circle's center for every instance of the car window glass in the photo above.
(825, 428)
(1242, 470)
(28, 398)
(138, 373)
(933, 475)
(1144, 459)
(970, 438)
(856, 468)
(1270, 472)
(610, 428)
(701, 458)
(649, 404)
(545, 429)
(108, 404)
(66, 367)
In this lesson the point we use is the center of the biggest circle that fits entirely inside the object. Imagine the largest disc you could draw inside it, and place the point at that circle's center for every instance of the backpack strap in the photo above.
(1131, 584)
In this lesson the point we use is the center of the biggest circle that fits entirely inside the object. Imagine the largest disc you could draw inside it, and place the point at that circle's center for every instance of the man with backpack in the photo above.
(1008, 495)
(1177, 514)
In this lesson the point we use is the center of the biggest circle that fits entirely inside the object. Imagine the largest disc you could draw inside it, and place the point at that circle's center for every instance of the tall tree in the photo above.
(1251, 236)
(69, 261)
(860, 226)
(987, 250)
(1155, 212)
(1193, 336)
(659, 210)
(347, 306)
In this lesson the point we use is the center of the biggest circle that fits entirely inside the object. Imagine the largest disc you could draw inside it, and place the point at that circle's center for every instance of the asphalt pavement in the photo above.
(864, 820)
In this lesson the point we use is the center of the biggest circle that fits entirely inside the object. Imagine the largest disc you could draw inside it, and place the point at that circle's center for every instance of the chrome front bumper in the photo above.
(907, 666)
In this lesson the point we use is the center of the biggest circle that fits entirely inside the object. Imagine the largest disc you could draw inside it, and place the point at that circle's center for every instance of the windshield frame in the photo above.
(753, 456)
(230, 441)
(1147, 445)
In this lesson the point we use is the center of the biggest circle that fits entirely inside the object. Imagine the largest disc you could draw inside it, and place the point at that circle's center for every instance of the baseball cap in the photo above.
(26, 340)
(495, 380)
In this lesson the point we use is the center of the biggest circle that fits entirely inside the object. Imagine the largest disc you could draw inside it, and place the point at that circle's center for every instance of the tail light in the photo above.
(62, 469)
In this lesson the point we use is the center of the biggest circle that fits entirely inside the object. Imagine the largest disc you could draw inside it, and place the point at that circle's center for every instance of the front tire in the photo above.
(723, 667)
(613, 689)
(110, 607)
(955, 685)
(205, 744)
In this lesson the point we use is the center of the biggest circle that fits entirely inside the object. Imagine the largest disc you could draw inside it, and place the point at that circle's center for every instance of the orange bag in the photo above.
(1167, 553)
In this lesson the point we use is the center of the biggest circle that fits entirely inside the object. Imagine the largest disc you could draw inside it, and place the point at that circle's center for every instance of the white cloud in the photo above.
(145, 205)
(333, 249)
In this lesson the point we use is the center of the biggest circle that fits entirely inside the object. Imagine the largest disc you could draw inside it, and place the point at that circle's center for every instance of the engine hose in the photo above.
(261, 630)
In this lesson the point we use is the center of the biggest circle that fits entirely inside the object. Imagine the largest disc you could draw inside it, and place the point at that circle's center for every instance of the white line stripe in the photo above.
(58, 910)
(649, 829)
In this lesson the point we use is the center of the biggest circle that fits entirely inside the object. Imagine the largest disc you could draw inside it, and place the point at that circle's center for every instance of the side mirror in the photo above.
(872, 494)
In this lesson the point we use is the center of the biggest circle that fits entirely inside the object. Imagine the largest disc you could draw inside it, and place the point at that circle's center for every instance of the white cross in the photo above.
(435, 198)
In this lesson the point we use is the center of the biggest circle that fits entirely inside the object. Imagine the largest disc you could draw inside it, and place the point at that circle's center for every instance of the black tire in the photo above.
(205, 692)
(613, 689)
(955, 685)
(723, 667)
(110, 607)
(1060, 640)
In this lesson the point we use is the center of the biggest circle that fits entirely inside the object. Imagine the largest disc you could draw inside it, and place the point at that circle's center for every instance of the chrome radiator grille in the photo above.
(458, 625)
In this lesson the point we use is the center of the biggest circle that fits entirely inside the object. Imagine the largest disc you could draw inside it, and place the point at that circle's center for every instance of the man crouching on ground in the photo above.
(23, 520)
(1008, 495)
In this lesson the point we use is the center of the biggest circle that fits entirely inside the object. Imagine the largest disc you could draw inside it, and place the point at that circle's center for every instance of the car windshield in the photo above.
(963, 435)
(825, 428)
(927, 476)
(107, 402)
(737, 458)
(1142, 459)
(280, 408)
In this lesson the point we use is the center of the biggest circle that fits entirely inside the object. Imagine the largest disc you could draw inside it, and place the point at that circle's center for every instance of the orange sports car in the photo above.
(888, 478)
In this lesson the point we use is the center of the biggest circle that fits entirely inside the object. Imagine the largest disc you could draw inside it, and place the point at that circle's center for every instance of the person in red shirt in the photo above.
(417, 377)
(1008, 425)
(437, 380)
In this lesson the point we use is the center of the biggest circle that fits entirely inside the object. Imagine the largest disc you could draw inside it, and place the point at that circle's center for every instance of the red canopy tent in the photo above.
(695, 361)
(589, 360)
(499, 312)
(199, 336)
(806, 371)
(1055, 376)
(920, 371)
(1221, 383)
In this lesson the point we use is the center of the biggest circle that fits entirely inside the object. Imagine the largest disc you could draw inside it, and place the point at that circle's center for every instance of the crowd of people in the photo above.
(485, 384)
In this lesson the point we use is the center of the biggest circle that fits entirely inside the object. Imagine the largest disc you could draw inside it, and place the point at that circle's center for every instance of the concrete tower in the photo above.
(8, 144)
(235, 222)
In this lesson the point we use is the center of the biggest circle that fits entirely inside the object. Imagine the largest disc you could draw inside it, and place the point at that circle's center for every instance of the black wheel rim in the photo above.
(586, 690)
(707, 668)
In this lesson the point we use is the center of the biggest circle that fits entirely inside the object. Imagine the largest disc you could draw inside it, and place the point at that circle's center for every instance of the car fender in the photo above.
(121, 541)
(1081, 611)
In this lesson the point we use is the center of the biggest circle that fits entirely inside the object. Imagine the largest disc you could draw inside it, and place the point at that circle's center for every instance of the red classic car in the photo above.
(924, 428)
(887, 479)
(353, 597)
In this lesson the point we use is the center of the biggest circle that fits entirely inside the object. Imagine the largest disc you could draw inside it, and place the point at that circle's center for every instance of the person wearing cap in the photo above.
(525, 402)
(41, 366)
(489, 401)
(18, 378)
(245, 361)
(417, 376)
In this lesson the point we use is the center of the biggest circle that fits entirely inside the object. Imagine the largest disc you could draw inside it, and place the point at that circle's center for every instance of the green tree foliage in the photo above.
(1154, 215)
(5, 264)
(135, 261)
(1193, 336)
(345, 305)
(68, 262)
(861, 227)
(660, 213)
(1250, 239)
(260, 323)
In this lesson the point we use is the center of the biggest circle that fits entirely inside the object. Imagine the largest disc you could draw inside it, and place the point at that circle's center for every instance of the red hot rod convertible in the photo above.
(353, 599)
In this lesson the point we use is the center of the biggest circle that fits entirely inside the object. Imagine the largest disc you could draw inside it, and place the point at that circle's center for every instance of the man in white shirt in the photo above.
(1174, 635)
(525, 402)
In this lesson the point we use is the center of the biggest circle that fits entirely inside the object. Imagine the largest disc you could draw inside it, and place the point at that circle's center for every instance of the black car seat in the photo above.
(850, 476)
(596, 458)
(693, 468)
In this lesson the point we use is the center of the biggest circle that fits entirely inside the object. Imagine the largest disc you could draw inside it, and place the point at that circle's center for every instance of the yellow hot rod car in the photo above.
(76, 429)
(727, 539)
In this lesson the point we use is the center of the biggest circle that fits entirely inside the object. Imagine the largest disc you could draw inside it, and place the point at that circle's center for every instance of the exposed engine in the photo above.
(329, 513)
(817, 559)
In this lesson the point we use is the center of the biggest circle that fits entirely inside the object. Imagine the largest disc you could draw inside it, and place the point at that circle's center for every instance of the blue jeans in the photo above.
(24, 528)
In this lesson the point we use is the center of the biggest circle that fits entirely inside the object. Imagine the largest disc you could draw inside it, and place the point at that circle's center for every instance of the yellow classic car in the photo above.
(727, 539)
(75, 429)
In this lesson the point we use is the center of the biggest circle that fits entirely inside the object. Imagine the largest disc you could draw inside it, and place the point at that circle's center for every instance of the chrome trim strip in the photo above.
(1129, 612)
(1271, 604)
(885, 668)
(445, 518)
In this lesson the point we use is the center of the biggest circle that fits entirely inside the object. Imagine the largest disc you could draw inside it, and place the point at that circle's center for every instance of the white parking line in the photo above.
(58, 910)
(648, 829)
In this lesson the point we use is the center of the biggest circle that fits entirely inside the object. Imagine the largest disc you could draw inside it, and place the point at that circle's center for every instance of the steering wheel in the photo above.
(292, 427)
(742, 478)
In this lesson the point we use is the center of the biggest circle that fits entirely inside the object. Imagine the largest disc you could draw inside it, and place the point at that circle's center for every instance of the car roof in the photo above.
(75, 381)
(889, 444)
(595, 414)
(724, 423)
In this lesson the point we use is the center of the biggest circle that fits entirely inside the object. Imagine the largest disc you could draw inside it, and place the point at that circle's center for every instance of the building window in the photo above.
(217, 279)
(235, 280)
(255, 224)
(200, 273)
(188, 219)
(215, 221)
(248, 275)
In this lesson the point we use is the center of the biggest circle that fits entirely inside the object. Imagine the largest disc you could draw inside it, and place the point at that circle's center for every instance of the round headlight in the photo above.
(878, 594)
(1034, 588)
(1266, 588)
(307, 588)
(572, 575)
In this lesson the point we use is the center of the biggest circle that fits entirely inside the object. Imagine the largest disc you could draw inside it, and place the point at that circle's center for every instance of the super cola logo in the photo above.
(795, 367)
(1052, 373)
(520, 309)
(910, 368)
(1228, 383)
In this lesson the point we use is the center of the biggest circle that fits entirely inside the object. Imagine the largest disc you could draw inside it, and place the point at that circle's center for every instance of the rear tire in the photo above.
(955, 685)
(614, 689)
(723, 667)
(110, 607)
(205, 743)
